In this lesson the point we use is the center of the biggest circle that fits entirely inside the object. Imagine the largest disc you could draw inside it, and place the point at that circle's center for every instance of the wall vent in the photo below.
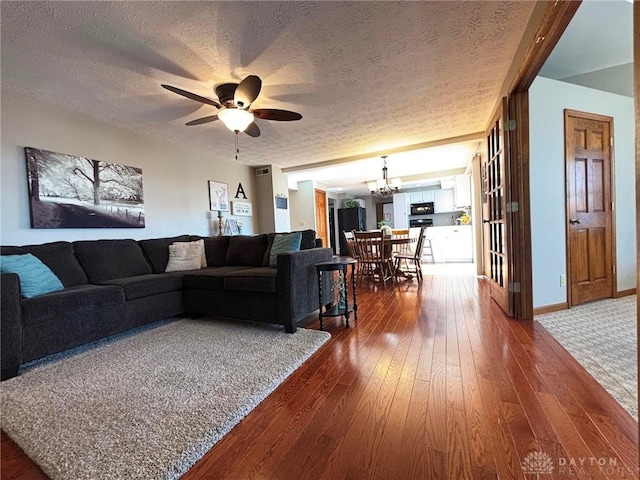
(262, 171)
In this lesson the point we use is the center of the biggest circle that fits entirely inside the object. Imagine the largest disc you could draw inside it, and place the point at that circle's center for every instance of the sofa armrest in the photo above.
(297, 284)
(10, 325)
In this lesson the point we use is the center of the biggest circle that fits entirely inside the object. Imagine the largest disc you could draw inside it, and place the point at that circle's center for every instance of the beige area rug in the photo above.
(149, 405)
(603, 337)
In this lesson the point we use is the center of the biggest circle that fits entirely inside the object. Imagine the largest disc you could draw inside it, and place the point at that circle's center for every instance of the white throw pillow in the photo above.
(199, 244)
(184, 256)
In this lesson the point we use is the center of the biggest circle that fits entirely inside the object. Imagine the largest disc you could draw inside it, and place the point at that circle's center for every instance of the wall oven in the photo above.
(422, 208)
(419, 222)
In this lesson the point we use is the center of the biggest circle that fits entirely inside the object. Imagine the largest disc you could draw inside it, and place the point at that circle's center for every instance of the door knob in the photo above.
(574, 221)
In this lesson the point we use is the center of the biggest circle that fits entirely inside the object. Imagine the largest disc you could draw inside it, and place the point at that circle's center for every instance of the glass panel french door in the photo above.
(496, 189)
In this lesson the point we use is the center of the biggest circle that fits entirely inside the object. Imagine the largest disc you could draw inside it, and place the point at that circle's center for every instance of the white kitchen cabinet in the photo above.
(443, 201)
(463, 191)
(415, 197)
(452, 243)
(427, 196)
(400, 213)
(459, 244)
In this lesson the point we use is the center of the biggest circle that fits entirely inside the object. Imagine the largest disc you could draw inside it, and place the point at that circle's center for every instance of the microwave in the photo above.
(422, 208)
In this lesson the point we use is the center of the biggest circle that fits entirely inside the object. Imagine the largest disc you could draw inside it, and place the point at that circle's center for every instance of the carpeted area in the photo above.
(148, 406)
(603, 337)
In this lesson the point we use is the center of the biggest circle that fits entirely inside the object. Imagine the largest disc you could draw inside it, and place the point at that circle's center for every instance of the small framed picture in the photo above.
(242, 209)
(232, 227)
(218, 196)
(281, 202)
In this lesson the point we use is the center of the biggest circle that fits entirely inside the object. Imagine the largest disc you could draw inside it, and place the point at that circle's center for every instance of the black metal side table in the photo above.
(340, 265)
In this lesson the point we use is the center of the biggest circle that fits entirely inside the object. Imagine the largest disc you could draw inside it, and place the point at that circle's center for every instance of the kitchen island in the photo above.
(451, 243)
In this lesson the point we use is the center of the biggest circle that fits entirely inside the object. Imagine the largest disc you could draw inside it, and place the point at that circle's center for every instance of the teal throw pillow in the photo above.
(284, 242)
(35, 277)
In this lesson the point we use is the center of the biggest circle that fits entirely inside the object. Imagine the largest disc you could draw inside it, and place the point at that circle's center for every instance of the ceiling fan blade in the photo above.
(247, 91)
(192, 96)
(252, 130)
(200, 121)
(275, 114)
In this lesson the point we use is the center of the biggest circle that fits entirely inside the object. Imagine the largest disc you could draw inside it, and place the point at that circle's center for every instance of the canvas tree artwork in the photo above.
(67, 191)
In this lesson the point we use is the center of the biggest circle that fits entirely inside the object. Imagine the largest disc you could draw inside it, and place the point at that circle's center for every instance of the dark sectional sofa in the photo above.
(115, 285)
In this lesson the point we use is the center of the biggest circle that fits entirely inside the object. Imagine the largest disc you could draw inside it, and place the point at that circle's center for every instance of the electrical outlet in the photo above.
(302, 223)
(563, 280)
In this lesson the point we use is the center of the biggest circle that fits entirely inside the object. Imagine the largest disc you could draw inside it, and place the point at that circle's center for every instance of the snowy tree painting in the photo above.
(66, 191)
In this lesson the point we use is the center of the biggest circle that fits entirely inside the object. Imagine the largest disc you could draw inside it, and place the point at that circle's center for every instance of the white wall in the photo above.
(547, 101)
(281, 188)
(176, 196)
(303, 206)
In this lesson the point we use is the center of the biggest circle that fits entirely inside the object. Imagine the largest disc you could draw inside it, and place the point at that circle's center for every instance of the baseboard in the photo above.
(624, 293)
(550, 308)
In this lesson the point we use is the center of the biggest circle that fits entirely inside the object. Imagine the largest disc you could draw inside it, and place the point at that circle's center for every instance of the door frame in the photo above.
(612, 190)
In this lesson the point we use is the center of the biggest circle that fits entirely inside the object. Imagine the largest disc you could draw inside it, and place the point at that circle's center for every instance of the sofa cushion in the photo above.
(308, 239)
(284, 242)
(260, 279)
(58, 256)
(108, 259)
(209, 278)
(215, 248)
(35, 277)
(70, 300)
(246, 250)
(147, 285)
(157, 250)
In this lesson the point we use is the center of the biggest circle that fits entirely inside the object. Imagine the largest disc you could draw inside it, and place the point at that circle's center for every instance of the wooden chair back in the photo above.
(350, 240)
(373, 252)
(401, 233)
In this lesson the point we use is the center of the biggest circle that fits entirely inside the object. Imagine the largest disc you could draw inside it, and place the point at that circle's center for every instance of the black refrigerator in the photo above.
(354, 218)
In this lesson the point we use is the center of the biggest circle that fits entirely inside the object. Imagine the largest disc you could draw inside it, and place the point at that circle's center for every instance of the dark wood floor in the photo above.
(431, 382)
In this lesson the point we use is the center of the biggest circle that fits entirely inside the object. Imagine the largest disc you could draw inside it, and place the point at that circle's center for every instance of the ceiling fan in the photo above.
(234, 100)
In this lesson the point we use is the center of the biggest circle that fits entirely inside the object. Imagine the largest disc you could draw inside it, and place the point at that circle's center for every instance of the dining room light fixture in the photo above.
(236, 119)
(384, 188)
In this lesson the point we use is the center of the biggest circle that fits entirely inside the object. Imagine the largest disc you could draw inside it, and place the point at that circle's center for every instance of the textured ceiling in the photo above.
(366, 76)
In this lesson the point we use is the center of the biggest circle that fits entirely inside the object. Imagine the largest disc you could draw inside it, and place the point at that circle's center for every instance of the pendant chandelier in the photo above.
(384, 188)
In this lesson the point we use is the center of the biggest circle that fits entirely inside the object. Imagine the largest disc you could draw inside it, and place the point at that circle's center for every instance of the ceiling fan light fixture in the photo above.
(236, 119)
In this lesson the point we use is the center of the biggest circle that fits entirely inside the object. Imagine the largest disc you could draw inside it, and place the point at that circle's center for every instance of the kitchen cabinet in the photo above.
(427, 196)
(415, 197)
(400, 212)
(459, 244)
(443, 200)
(421, 197)
(452, 244)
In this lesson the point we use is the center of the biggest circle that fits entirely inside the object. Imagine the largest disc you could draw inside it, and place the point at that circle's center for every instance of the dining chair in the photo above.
(374, 256)
(411, 260)
(350, 240)
(400, 233)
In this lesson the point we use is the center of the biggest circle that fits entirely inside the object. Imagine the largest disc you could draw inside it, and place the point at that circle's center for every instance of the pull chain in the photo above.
(237, 149)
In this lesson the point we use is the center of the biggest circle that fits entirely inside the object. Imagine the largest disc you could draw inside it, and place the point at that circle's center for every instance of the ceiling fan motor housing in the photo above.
(225, 93)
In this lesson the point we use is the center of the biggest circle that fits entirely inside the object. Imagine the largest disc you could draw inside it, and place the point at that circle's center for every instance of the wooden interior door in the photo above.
(588, 141)
(497, 219)
(321, 216)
